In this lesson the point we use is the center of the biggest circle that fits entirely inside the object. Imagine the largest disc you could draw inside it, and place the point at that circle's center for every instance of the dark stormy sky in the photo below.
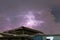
(41, 15)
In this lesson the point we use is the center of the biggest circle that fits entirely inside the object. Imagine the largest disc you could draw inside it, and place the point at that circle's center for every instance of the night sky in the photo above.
(43, 15)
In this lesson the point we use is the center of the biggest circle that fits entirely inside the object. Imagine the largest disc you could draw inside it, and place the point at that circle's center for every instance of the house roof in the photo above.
(25, 28)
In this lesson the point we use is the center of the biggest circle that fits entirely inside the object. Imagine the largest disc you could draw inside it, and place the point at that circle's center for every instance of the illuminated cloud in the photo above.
(31, 20)
(15, 13)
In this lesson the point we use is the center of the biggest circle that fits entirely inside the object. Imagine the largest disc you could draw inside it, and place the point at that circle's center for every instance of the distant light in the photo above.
(31, 21)
(51, 38)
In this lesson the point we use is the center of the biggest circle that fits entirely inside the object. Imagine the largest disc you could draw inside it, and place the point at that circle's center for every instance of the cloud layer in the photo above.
(12, 14)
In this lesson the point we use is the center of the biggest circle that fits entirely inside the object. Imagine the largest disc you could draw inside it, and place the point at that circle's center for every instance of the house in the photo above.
(23, 33)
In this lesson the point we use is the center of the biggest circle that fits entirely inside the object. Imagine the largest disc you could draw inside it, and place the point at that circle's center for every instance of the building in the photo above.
(22, 33)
